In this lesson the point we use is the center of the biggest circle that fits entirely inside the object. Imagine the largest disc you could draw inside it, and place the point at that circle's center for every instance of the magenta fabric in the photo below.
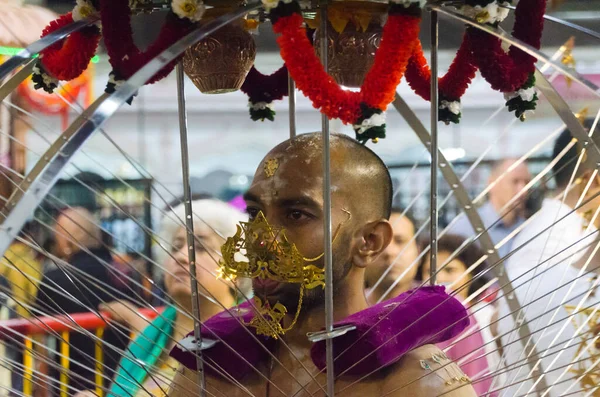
(423, 316)
(237, 352)
(467, 350)
(415, 318)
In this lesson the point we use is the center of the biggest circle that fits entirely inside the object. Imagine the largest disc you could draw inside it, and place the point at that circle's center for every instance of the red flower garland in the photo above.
(124, 56)
(69, 57)
(453, 84)
(379, 87)
(508, 72)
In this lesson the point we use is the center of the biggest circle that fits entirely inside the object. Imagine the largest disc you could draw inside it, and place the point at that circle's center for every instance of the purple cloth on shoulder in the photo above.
(427, 315)
(237, 351)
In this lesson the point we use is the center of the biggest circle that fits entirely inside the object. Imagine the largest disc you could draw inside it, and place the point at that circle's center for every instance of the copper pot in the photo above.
(220, 63)
(351, 53)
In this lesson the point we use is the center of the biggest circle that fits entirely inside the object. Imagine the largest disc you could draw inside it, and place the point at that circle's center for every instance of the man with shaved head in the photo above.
(388, 352)
(84, 280)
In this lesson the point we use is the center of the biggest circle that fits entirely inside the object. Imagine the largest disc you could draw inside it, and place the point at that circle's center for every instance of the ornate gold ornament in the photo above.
(259, 250)
(271, 166)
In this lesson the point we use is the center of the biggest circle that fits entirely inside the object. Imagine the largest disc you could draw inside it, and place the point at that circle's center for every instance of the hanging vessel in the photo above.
(353, 36)
(219, 63)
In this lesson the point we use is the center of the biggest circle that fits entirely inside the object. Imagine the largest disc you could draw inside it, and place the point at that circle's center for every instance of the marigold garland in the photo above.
(363, 109)
(262, 90)
(69, 58)
(451, 86)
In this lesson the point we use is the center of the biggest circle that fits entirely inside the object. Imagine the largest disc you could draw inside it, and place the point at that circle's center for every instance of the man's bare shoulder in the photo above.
(426, 372)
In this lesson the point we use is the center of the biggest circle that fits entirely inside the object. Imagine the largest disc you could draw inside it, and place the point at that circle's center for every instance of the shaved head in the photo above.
(356, 171)
(288, 188)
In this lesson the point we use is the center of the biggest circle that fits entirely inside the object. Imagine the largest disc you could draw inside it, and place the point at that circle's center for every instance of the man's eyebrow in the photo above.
(248, 196)
(305, 201)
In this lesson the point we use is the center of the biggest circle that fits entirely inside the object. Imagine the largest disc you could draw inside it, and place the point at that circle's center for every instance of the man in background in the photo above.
(85, 280)
(507, 179)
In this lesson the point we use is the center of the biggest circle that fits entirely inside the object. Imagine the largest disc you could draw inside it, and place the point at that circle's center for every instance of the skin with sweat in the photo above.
(292, 199)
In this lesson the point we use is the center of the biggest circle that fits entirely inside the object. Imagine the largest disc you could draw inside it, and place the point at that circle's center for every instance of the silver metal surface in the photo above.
(35, 48)
(323, 335)
(571, 73)
(46, 171)
(189, 221)
(292, 105)
(476, 223)
(327, 244)
(434, 148)
(15, 80)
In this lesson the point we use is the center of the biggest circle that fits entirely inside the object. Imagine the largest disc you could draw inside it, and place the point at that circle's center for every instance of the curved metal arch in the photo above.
(476, 223)
(36, 47)
(38, 182)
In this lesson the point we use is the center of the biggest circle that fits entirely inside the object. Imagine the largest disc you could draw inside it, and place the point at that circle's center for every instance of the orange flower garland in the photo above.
(362, 109)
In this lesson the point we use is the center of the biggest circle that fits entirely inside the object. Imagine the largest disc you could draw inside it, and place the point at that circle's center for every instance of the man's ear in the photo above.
(374, 239)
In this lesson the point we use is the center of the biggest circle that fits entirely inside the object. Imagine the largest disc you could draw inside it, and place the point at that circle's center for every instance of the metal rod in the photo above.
(187, 194)
(433, 226)
(327, 216)
(292, 105)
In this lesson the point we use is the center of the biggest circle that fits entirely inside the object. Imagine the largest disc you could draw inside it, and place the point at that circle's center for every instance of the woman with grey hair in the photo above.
(214, 220)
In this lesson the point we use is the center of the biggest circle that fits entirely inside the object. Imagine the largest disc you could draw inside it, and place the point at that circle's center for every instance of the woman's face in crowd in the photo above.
(452, 272)
(177, 275)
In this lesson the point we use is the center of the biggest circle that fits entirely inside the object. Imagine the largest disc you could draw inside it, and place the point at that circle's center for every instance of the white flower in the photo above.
(452, 106)
(83, 9)
(491, 13)
(189, 343)
(261, 105)
(190, 9)
(376, 120)
(270, 4)
(525, 94)
(408, 3)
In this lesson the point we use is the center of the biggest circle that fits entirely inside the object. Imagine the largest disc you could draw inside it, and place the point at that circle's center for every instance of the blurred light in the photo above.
(454, 153)
(11, 51)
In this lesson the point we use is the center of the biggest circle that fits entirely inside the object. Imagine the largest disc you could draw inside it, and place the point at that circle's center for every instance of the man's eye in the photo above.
(297, 215)
(252, 212)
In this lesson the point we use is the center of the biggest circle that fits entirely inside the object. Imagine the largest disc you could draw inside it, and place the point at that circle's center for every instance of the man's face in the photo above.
(403, 244)
(510, 184)
(290, 196)
(63, 246)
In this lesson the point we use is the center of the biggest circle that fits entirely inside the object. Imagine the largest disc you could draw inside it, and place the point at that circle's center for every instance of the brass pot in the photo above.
(220, 63)
(351, 53)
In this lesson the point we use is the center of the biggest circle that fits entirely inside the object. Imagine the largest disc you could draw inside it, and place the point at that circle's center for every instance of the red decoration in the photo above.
(125, 57)
(69, 57)
(453, 84)
(378, 90)
(508, 72)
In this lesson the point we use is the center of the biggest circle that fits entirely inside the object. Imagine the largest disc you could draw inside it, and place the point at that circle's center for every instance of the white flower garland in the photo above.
(376, 120)
(270, 4)
(48, 80)
(408, 3)
(190, 9)
(452, 106)
(261, 105)
(491, 13)
(525, 94)
(83, 9)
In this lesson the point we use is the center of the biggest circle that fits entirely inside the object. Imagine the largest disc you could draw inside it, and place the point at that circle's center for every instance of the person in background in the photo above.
(79, 284)
(401, 255)
(212, 219)
(474, 350)
(507, 179)
(548, 279)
